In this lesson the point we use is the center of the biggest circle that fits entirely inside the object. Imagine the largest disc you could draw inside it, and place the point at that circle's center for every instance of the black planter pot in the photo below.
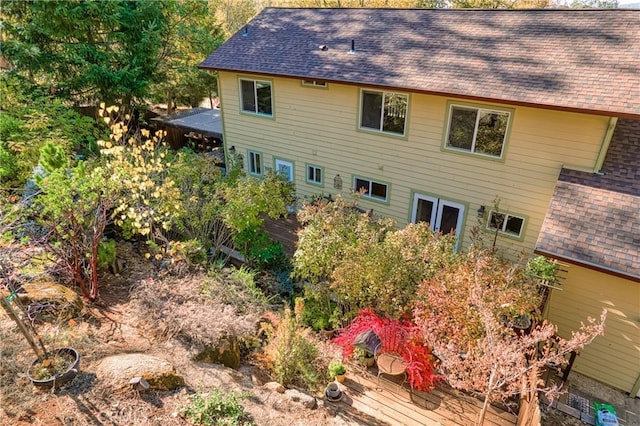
(521, 324)
(61, 378)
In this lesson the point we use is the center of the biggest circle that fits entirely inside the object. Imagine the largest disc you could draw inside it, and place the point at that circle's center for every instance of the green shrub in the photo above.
(217, 408)
(106, 253)
(261, 252)
(318, 312)
(292, 352)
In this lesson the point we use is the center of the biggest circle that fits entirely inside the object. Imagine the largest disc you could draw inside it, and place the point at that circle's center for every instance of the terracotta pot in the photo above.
(340, 378)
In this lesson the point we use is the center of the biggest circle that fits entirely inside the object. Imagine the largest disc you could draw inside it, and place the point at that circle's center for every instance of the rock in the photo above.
(225, 352)
(158, 373)
(274, 387)
(308, 401)
(57, 302)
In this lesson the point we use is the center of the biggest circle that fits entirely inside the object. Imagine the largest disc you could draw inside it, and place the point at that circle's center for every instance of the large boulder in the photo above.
(159, 373)
(51, 302)
(308, 401)
(226, 352)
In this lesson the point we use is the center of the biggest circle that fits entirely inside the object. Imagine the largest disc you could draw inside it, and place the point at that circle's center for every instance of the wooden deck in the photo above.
(285, 231)
(370, 401)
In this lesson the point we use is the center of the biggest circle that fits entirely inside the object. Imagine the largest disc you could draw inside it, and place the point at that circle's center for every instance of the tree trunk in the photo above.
(487, 397)
(169, 101)
(40, 352)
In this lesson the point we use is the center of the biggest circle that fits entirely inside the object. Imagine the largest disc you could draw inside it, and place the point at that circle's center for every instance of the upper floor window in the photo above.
(506, 223)
(477, 130)
(375, 190)
(256, 97)
(384, 111)
(314, 83)
(255, 162)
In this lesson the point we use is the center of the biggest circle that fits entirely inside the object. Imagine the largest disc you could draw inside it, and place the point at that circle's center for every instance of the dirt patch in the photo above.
(114, 326)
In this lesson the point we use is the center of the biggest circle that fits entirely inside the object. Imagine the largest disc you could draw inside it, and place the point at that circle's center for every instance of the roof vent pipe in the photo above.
(353, 47)
(246, 31)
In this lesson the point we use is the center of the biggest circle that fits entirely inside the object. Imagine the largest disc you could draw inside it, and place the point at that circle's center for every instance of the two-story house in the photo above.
(436, 113)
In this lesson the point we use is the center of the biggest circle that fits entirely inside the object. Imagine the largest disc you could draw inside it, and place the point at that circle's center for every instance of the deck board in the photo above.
(285, 231)
(390, 403)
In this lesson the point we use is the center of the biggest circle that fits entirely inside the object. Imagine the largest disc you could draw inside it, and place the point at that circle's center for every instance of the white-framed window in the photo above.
(284, 168)
(442, 215)
(314, 83)
(373, 189)
(256, 97)
(384, 112)
(315, 175)
(506, 223)
(477, 130)
(254, 160)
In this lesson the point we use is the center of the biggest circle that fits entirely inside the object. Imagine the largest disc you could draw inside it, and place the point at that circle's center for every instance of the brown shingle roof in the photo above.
(567, 59)
(594, 219)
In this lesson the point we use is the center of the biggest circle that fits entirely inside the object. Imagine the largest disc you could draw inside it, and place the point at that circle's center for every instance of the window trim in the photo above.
(403, 135)
(519, 237)
(485, 107)
(371, 181)
(255, 80)
(315, 83)
(254, 152)
(312, 182)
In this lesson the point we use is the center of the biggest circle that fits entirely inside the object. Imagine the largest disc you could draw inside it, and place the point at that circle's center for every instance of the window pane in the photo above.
(310, 173)
(263, 92)
(378, 190)
(463, 122)
(492, 127)
(395, 113)
(258, 162)
(319, 175)
(449, 219)
(371, 110)
(496, 221)
(514, 225)
(361, 183)
(248, 96)
(424, 211)
(252, 163)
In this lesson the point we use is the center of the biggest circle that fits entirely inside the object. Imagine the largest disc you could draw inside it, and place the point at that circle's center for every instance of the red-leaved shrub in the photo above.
(397, 336)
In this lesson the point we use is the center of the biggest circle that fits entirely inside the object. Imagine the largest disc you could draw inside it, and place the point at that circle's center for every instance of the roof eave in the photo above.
(608, 113)
(589, 265)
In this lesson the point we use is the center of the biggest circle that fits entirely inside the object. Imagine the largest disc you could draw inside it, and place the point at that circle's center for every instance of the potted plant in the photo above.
(520, 323)
(364, 357)
(51, 369)
(337, 370)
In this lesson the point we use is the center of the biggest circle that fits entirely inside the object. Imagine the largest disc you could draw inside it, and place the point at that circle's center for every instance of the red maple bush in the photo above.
(398, 336)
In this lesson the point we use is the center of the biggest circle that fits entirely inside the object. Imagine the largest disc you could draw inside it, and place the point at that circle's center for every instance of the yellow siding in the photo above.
(319, 126)
(614, 358)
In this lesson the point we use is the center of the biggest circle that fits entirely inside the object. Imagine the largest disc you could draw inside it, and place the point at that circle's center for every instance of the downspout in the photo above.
(606, 141)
